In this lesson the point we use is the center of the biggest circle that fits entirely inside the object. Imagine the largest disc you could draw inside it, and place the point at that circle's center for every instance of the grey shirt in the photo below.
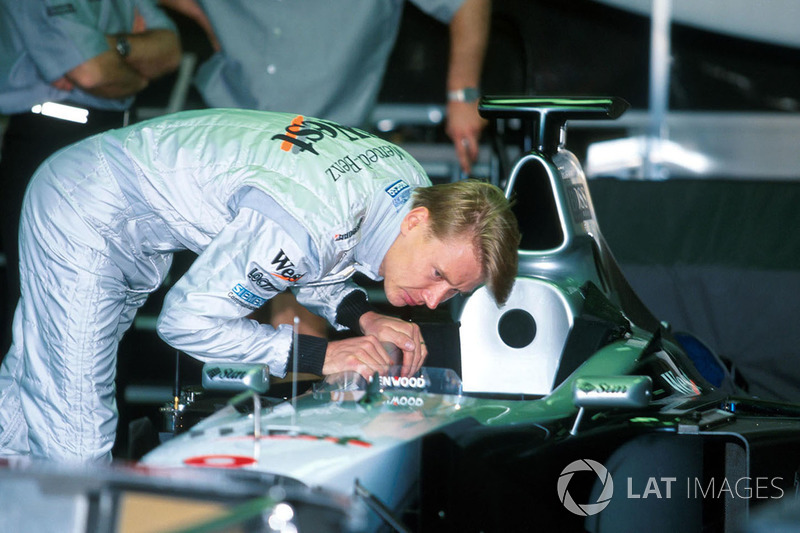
(41, 40)
(323, 58)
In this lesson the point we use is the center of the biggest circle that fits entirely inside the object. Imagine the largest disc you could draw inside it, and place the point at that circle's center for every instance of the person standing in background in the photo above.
(68, 69)
(327, 59)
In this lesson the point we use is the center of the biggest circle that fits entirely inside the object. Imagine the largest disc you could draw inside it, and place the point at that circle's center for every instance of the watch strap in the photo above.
(123, 46)
(466, 94)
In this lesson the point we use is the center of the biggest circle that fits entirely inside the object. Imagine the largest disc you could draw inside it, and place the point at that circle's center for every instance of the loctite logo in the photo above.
(261, 280)
(285, 269)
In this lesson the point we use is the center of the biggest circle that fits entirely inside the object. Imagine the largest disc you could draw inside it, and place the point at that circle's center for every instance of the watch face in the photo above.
(123, 46)
(467, 94)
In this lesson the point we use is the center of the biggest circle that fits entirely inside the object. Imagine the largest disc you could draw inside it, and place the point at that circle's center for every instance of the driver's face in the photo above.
(421, 270)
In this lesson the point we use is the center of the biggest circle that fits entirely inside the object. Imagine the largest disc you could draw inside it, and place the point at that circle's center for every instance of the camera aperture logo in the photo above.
(586, 509)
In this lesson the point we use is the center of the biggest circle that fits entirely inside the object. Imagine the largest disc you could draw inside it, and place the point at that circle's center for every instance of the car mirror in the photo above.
(605, 392)
(236, 377)
(612, 391)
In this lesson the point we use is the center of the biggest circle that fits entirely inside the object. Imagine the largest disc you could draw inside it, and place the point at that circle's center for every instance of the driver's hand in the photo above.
(404, 335)
(364, 355)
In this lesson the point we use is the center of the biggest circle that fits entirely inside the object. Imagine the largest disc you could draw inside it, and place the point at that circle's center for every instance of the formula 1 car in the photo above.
(572, 407)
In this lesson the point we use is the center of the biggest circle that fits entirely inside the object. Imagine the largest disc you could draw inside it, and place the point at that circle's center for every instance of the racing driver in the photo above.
(270, 202)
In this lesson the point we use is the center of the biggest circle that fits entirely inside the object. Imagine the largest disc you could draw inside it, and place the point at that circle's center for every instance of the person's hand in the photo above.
(365, 355)
(464, 126)
(139, 24)
(63, 84)
(404, 335)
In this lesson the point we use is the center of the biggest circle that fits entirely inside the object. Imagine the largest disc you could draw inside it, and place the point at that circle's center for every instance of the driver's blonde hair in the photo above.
(481, 210)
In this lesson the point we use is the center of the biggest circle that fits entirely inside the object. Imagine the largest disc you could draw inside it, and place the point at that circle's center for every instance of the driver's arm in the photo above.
(205, 313)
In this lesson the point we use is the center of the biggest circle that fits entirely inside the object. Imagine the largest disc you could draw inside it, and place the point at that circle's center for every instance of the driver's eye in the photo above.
(449, 294)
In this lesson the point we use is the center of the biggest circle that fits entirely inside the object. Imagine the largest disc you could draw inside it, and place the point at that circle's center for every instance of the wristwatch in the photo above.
(467, 94)
(123, 46)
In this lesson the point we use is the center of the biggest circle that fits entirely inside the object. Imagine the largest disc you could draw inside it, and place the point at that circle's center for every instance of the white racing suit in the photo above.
(269, 201)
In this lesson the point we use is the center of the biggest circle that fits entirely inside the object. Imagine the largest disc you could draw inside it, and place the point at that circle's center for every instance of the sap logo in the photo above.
(261, 280)
(285, 269)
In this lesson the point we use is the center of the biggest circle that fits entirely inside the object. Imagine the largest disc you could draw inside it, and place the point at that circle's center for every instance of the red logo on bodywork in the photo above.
(220, 461)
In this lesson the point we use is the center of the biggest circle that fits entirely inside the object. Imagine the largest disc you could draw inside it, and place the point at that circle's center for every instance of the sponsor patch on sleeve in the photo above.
(399, 192)
(344, 237)
(284, 269)
(246, 298)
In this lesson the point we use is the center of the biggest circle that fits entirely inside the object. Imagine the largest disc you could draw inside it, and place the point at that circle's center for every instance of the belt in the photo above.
(81, 114)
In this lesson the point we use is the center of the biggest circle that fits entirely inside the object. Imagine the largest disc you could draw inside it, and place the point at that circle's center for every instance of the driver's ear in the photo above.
(414, 218)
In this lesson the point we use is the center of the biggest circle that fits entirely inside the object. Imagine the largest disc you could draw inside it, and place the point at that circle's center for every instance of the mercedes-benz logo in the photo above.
(586, 509)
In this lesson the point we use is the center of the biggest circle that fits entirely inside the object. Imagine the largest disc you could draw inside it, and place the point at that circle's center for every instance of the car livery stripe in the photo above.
(219, 461)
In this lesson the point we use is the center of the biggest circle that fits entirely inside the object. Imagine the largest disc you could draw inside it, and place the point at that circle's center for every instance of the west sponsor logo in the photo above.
(284, 268)
(301, 134)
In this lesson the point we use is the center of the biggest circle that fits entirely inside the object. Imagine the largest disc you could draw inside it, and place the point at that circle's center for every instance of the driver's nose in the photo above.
(433, 297)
